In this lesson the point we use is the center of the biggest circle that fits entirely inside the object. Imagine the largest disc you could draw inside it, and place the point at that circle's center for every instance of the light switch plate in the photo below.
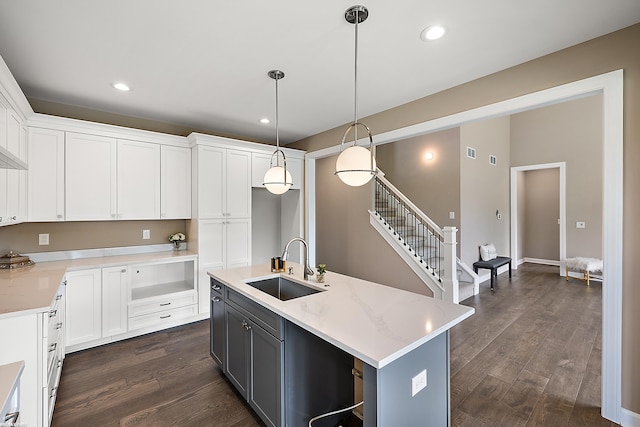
(452, 215)
(418, 382)
(146, 234)
(43, 239)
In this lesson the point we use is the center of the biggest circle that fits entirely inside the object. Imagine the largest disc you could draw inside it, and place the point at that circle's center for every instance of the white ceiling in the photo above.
(204, 64)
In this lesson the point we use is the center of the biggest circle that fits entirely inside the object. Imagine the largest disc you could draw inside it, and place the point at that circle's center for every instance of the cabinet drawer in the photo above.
(55, 325)
(161, 304)
(217, 289)
(266, 318)
(166, 316)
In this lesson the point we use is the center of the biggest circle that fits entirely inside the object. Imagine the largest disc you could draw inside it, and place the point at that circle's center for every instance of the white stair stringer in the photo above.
(468, 281)
(426, 274)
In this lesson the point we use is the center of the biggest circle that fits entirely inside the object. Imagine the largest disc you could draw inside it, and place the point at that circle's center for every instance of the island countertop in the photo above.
(375, 323)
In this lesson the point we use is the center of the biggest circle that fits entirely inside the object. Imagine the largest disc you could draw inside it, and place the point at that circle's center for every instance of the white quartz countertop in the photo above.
(375, 323)
(32, 289)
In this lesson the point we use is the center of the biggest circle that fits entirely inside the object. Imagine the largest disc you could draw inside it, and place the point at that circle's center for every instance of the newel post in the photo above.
(450, 279)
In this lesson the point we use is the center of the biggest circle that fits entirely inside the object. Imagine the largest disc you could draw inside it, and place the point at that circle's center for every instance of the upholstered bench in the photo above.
(493, 265)
(584, 265)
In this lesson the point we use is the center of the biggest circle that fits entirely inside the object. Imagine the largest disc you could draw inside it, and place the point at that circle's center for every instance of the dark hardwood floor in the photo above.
(529, 356)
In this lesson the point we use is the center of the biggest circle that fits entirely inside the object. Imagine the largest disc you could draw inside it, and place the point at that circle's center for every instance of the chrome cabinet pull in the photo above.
(58, 297)
(165, 304)
(165, 317)
(53, 313)
(216, 299)
(52, 347)
(246, 325)
(216, 287)
(12, 418)
(53, 392)
(59, 325)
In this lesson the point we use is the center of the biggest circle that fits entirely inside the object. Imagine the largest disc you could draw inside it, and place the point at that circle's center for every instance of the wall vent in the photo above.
(471, 153)
(493, 160)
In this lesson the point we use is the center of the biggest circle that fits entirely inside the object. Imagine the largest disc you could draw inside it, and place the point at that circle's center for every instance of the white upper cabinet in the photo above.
(223, 183)
(90, 182)
(175, 183)
(238, 184)
(261, 162)
(138, 180)
(45, 157)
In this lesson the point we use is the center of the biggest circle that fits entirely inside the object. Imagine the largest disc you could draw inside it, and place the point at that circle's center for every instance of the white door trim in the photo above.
(610, 85)
(562, 166)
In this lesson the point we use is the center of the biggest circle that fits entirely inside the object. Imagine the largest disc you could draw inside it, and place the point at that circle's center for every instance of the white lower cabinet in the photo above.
(84, 306)
(38, 339)
(114, 300)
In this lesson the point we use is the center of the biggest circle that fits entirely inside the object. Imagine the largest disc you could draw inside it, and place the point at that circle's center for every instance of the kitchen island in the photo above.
(401, 338)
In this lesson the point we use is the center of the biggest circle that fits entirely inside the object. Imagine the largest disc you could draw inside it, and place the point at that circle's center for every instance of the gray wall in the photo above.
(345, 240)
(433, 185)
(569, 132)
(542, 210)
(484, 188)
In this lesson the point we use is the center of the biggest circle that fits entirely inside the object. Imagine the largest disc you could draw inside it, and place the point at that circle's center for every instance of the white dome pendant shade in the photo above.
(277, 179)
(356, 165)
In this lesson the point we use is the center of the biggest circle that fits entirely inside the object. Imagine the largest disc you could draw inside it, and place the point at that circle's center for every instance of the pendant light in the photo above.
(277, 179)
(356, 165)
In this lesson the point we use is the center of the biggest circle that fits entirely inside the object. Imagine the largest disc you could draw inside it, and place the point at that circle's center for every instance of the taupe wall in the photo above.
(346, 242)
(484, 188)
(541, 237)
(66, 236)
(433, 185)
(569, 132)
(611, 52)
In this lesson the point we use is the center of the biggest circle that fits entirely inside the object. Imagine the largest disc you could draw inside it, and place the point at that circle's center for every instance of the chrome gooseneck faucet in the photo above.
(308, 271)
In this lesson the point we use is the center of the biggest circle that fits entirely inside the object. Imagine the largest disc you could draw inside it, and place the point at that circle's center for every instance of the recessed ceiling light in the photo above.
(265, 121)
(121, 86)
(433, 32)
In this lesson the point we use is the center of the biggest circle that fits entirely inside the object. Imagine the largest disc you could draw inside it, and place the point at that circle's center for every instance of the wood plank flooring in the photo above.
(529, 356)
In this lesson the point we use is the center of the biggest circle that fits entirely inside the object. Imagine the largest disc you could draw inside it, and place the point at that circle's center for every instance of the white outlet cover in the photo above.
(43, 239)
(146, 234)
(452, 215)
(418, 382)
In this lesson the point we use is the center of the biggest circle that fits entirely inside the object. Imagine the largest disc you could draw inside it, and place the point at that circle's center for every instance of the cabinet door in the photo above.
(114, 301)
(212, 172)
(217, 328)
(175, 183)
(4, 219)
(265, 368)
(45, 188)
(83, 307)
(238, 239)
(238, 182)
(237, 349)
(296, 167)
(90, 182)
(212, 243)
(138, 180)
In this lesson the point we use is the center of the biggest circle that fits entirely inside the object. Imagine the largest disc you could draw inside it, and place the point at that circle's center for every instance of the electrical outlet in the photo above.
(146, 234)
(452, 215)
(581, 224)
(43, 239)
(418, 382)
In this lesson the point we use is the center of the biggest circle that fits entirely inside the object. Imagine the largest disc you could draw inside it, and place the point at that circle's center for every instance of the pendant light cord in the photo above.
(355, 82)
(277, 130)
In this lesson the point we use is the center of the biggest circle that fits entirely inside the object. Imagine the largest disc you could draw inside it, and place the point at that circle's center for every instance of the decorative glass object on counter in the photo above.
(177, 239)
(322, 269)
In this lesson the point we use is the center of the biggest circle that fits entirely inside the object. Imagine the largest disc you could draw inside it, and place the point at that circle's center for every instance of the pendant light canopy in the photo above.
(277, 179)
(356, 165)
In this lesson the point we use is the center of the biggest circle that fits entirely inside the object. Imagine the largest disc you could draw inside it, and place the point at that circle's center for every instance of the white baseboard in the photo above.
(542, 261)
(629, 419)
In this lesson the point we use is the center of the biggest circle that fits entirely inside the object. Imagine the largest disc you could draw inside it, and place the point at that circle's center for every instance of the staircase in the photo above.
(426, 248)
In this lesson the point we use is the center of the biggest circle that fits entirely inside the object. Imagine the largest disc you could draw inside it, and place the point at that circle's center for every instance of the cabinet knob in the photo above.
(59, 325)
(124, 270)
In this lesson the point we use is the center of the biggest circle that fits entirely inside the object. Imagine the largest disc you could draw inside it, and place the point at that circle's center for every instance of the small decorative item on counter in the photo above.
(13, 260)
(322, 269)
(177, 239)
(278, 265)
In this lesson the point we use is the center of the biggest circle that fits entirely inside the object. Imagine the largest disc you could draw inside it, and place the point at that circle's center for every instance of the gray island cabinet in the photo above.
(296, 359)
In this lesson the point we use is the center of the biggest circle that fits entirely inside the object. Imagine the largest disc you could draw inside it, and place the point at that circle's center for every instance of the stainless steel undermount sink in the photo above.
(282, 288)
